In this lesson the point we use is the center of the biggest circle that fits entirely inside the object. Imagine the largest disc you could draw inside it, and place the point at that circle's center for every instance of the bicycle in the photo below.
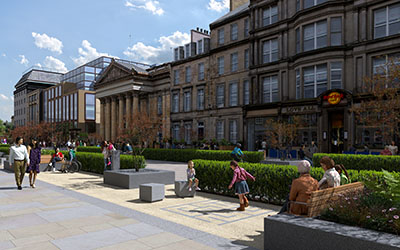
(71, 167)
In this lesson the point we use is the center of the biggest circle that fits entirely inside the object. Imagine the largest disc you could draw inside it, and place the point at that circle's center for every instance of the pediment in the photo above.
(114, 73)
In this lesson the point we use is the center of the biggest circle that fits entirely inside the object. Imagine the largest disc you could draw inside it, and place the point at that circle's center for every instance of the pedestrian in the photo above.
(393, 148)
(240, 176)
(237, 153)
(386, 151)
(264, 148)
(191, 176)
(331, 177)
(312, 149)
(18, 158)
(34, 162)
(104, 151)
(344, 176)
(110, 149)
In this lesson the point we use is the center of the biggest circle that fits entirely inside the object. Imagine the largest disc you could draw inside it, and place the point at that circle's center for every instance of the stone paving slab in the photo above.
(85, 222)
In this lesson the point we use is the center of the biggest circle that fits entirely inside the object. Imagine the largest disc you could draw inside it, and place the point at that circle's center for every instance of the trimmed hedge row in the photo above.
(272, 181)
(5, 150)
(4, 145)
(185, 155)
(363, 162)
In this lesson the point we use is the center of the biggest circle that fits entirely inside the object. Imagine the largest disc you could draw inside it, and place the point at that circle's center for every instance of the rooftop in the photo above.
(237, 11)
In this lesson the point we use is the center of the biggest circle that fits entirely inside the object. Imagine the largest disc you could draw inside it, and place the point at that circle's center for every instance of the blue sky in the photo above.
(62, 35)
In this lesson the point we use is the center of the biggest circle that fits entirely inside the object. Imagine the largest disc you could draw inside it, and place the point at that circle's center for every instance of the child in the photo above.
(191, 175)
(331, 177)
(241, 188)
(344, 176)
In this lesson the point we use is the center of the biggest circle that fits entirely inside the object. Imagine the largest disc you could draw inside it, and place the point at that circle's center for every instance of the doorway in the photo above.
(336, 132)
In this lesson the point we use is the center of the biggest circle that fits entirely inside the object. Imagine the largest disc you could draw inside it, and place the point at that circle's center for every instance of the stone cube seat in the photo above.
(151, 192)
(182, 189)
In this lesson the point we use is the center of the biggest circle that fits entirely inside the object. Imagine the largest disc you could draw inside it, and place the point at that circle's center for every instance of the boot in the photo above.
(241, 208)
(246, 201)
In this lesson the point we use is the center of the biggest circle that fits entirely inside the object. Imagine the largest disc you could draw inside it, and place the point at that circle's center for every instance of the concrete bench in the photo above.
(321, 199)
(182, 189)
(151, 192)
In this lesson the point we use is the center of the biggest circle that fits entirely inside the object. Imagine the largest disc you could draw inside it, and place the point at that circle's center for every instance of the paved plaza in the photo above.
(77, 211)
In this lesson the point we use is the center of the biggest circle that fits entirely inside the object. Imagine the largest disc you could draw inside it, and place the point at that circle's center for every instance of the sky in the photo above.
(64, 34)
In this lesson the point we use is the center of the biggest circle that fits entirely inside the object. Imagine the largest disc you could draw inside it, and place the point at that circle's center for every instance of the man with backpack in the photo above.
(237, 153)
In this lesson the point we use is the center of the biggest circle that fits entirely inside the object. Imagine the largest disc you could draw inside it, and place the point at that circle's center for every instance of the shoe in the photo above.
(54, 170)
(198, 189)
(246, 202)
(190, 189)
(241, 208)
(19, 188)
(33, 186)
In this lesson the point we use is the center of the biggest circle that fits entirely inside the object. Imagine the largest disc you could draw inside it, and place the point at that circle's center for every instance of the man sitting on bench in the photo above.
(57, 156)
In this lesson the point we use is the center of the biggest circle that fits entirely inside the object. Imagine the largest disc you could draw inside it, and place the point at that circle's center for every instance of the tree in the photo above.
(141, 131)
(381, 101)
(282, 133)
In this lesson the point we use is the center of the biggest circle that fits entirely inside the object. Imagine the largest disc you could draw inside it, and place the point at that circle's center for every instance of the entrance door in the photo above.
(336, 132)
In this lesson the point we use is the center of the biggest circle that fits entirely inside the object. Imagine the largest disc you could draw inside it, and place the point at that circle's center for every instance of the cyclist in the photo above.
(237, 153)
(72, 157)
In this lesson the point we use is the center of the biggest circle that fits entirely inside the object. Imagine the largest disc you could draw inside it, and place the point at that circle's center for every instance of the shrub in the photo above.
(5, 150)
(272, 181)
(89, 149)
(4, 145)
(363, 162)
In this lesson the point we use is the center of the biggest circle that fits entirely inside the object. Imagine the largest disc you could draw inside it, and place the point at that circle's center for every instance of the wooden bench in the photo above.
(321, 199)
(45, 159)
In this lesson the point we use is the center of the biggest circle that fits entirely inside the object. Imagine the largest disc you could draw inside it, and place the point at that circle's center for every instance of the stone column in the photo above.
(121, 113)
(135, 103)
(102, 118)
(128, 108)
(107, 119)
(114, 121)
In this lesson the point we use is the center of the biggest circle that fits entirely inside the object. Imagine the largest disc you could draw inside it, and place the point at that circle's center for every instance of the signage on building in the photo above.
(334, 98)
(299, 109)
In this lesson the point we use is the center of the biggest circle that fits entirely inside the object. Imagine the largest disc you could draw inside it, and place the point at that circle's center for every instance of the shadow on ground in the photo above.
(206, 212)
(139, 201)
(257, 241)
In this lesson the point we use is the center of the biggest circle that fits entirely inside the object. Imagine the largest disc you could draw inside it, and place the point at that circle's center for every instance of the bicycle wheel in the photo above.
(79, 166)
(73, 167)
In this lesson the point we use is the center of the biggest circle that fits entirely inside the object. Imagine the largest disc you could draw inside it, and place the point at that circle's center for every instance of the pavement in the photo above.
(78, 211)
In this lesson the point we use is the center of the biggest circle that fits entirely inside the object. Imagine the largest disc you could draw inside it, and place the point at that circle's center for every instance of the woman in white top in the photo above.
(331, 177)
(393, 148)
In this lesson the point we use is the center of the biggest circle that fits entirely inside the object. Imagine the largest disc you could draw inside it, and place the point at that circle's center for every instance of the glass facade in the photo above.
(85, 75)
(90, 106)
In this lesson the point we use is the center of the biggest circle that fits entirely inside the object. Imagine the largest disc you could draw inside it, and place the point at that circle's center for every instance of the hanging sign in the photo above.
(334, 98)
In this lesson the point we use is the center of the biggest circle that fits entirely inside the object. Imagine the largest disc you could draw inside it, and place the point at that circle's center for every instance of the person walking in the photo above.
(104, 151)
(34, 158)
(18, 158)
(240, 176)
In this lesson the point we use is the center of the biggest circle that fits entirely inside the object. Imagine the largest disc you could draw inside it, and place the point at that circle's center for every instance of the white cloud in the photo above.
(149, 5)
(87, 54)
(218, 6)
(4, 55)
(38, 65)
(4, 97)
(54, 64)
(6, 107)
(45, 42)
(163, 53)
(24, 60)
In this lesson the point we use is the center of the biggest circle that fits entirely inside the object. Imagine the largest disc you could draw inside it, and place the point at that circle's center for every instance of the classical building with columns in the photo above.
(126, 88)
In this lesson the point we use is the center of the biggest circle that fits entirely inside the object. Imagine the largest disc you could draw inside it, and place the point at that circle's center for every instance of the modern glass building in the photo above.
(84, 76)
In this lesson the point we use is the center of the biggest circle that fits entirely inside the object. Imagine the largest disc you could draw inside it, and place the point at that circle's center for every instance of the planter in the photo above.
(285, 231)
(130, 178)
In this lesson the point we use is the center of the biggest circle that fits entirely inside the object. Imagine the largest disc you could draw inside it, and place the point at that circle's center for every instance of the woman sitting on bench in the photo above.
(301, 189)
(57, 156)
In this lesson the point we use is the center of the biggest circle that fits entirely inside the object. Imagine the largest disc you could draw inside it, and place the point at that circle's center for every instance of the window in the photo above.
(311, 3)
(200, 99)
(175, 132)
(221, 38)
(201, 72)
(315, 80)
(45, 101)
(381, 64)
(159, 105)
(336, 31)
(246, 59)
(188, 132)
(234, 32)
(221, 65)
(336, 75)
(297, 5)
(64, 102)
(315, 35)
(76, 106)
(220, 130)
(220, 96)
(234, 62)
(187, 101)
(200, 131)
(68, 107)
(176, 76)
(298, 87)
(233, 94)
(175, 103)
(270, 89)
(187, 50)
(270, 15)
(298, 40)
(246, 94)
(246, 27)
(270, 51)
(90, 106)
(387, 21)
(188, 74)
(233, 131)
(200, 47)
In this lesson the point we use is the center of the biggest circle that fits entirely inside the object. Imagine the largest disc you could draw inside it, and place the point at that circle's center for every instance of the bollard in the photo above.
(115, 160)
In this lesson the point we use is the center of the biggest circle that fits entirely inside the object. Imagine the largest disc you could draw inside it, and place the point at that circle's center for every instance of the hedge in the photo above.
(272, 181)
(185, 155)
(5, 150)
(363, 162)
(4, 145)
